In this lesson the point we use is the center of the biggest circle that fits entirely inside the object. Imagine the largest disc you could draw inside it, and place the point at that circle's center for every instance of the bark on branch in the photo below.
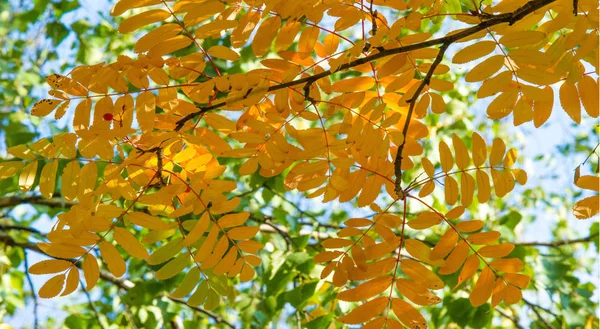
(490, 21)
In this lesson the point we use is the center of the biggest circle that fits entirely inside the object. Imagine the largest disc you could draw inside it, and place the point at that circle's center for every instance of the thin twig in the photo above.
(534, 309)
(91, 303)
(413, 102)
(33, 295)
(556, 244)
(514, 320)
(35, 200)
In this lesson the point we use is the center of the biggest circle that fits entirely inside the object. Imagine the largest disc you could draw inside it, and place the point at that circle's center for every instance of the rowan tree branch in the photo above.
(119, 282)
(491, 20)
(56, 202)
(558, 243)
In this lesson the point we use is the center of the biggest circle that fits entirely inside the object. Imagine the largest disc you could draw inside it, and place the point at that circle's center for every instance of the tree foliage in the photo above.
(170, 142)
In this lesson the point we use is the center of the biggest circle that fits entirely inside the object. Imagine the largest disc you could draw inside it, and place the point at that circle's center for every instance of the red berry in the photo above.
(188, 189)
(108, 116)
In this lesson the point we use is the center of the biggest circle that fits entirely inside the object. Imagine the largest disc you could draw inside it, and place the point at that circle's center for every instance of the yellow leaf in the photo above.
(174, 267)
(588, 182)
(69, 180)
(408, 315)
(10, 168)
(467, 188)
(145, 110)
(393, 65)
(537, 76)
(112, 258)
(142, 19)
(156, 36)
(167, 251)
(198, 230)
(451, 190)
(227, 263)
(48, 179)
(522, 38)
(421, 251)
(232, 220)
(427, 189)
(307, 41)
(519, 280)
(72, 282)
(358, 254)
(169, 45)
(497, 153)
(456, 259)
(130, 243)
(366, 311)
(199, 295)
(188, 283)
(468, 270)
(485, 69)
(421, 274)
(469, 226)
(49, 266)
(250, 246)
(498, 293)
(247, 273)
(588, 91)
(513, 295)
(496, 251)
(484, 238)
(52, 287)
(223, 52)
(91, 272)
(461, 152)
(445, 245)
(287, 34)
(492, 86)
(508, 265)
(483, 186)
(331, 43)
(473, 52)
(147, 221)
(124, 5)
(350, 85)
(416, 292)
(483, 288)
(366, 290)
(27, 176)
(438, 105)
(569, 100)
(264, 35)
(587, 207)
(208, 245)
(455, 213)
(425, 220)
(21, 152)
(242, 233)
(327, 256)
(44, 107)
(445, 157)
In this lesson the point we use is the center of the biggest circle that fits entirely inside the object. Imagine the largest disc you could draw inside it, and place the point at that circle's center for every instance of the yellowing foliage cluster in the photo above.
(158, 123)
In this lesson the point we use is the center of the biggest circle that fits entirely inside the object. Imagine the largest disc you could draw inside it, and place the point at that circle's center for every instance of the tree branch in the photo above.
(33, 295)
(119, 282)
(36, 200)
(492, 20)
(558, 243)
(514, 320)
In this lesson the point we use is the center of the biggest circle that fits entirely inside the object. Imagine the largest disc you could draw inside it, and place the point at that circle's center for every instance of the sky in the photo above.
(535, 142)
